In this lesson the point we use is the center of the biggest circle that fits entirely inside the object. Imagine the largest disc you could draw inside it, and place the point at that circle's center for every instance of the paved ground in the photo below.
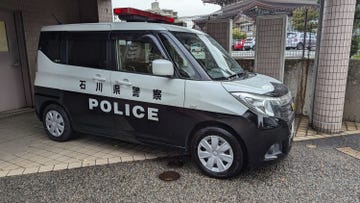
(25, 148)
(314, 171)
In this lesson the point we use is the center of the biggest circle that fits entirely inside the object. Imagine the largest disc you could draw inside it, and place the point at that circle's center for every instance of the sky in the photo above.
(183, 7)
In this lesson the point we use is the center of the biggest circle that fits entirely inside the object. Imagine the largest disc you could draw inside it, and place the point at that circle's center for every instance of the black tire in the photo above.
(300, 46)
(238, 156)
(67, 131)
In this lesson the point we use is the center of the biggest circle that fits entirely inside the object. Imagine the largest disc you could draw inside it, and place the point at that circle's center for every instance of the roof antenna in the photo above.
(57, 20)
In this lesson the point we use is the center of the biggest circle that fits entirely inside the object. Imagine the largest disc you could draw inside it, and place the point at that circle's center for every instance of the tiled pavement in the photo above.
(25, 148)
(305, 132)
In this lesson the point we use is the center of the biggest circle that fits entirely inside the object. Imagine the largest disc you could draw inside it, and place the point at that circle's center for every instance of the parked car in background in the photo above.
(295, 40)
(250, 43)
(238, 44)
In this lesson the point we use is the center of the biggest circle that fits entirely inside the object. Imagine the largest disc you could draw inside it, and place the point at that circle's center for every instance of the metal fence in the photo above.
(300, 38)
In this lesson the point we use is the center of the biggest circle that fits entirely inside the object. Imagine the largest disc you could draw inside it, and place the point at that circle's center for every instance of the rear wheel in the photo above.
(217, 152)
(56, 123)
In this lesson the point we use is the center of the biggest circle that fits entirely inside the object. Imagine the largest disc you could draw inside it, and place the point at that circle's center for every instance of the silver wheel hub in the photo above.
(54, 123)
(215, 153)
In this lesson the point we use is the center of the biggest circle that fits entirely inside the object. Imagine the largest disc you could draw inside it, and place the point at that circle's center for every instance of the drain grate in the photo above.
(169, 176)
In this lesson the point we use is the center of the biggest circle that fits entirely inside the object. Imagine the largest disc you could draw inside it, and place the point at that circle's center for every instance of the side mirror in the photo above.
(162, 67)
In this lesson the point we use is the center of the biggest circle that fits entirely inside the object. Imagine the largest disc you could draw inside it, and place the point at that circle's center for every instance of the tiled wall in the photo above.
(333, 65)
(270, 46)
(220, 30)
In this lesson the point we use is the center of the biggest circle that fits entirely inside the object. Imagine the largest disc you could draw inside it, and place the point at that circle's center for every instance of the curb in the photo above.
(323, 136)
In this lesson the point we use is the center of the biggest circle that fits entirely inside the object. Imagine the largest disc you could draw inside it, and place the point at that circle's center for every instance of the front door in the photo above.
(147, 106)
(12, 94)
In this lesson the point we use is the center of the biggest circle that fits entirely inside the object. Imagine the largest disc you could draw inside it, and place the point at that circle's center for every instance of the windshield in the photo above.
(218, 64)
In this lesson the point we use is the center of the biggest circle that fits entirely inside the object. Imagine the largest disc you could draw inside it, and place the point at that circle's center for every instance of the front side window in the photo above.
(218, 64)
(181, 62)
(135, 52)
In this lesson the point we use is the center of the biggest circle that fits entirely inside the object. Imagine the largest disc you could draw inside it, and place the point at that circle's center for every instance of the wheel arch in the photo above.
(49, 102)
(224, 126)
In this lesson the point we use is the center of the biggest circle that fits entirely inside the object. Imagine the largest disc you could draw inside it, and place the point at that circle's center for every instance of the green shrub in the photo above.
(238, 34)
(354, 45)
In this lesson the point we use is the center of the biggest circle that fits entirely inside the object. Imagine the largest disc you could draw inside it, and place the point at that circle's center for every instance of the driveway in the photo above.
(25, 148)
(314, 171)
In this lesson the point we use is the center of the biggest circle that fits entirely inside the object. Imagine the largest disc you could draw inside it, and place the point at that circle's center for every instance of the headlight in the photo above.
(263, 105)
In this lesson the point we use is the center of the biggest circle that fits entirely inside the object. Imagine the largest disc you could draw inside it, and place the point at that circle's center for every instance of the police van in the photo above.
(161, 84)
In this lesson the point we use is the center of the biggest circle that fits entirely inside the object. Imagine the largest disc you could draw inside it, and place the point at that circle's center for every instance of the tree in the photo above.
(238, 34)
(355, 42)
(298, 19)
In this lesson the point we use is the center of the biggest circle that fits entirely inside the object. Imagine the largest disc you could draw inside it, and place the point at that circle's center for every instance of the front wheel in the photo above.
(217, 152)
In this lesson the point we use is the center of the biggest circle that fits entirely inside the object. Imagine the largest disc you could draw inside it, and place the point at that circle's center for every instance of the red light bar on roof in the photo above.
(135, 15)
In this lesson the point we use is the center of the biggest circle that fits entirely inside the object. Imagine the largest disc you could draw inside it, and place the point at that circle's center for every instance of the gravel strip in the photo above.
(318, 173)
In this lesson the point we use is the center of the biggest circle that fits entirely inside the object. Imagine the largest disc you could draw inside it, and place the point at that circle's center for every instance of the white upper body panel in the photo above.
(259, 84)
(118, 26)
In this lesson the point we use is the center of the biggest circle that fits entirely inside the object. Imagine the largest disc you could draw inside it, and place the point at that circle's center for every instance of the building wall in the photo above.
(352, 98)
(39, 13)
(104, 11)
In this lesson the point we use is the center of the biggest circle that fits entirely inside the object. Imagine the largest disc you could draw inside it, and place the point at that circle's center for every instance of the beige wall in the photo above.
(39, 13)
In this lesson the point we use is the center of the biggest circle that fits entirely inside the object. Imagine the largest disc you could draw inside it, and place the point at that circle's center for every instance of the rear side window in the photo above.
(52, 45)
(88, 49)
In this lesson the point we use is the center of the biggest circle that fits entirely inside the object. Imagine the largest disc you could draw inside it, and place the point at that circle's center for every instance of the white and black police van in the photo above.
(161, 84)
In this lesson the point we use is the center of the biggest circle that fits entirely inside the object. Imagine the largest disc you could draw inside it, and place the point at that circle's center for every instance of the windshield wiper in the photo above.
(237, 75)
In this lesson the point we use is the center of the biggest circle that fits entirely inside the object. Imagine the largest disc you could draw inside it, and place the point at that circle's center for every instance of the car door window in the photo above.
(181, 62)
(88, 49)
(136, 52)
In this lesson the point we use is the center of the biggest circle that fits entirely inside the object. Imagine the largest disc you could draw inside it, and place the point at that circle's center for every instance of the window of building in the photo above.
(3, 38)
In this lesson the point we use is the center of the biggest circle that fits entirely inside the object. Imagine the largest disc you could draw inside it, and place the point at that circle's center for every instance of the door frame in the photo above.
(23, 58)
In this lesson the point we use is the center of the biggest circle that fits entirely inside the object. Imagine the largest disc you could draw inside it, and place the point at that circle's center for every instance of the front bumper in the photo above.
(269, 144)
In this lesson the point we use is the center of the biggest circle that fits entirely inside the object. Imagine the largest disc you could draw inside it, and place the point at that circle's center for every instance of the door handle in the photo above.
(123, 82)
(16, 64)
(98, 77)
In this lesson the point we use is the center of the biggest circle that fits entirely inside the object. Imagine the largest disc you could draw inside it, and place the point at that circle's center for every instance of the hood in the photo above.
(255, 83)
